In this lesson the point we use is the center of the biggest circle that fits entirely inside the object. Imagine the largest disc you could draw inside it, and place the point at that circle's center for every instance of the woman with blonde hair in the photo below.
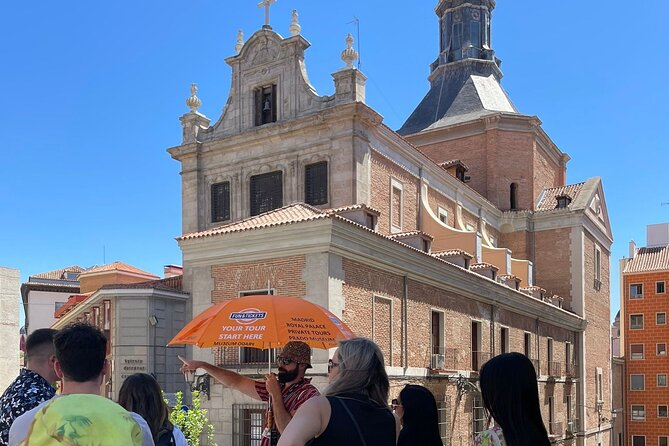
(354, 409)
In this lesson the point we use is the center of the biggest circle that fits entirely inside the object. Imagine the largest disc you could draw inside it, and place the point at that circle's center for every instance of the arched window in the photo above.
(514, 196)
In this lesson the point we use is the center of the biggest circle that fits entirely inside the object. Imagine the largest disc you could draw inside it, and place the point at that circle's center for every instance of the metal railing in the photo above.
(478, 359)
(245, 357)
(554, 369)
(455, 359)
(570, 370)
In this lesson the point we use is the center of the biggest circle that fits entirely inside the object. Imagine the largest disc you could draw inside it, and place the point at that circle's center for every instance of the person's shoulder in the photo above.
(21, 425)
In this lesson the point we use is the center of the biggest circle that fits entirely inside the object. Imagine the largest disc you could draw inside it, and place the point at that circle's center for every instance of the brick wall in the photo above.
(519, 242)
(552, 263)
(383, 170)
(648, 305)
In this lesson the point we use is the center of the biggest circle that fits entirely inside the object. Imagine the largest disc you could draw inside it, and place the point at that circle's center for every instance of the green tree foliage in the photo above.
(193, 422)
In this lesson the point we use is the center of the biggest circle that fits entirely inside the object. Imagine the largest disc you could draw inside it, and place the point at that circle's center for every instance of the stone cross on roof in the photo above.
(266, 4)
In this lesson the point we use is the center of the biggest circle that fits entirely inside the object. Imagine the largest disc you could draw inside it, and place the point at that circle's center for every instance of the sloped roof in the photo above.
(649, 259)
(169, 284)
(57, 274)
(548, 199)
(118, 266)
(292, 213)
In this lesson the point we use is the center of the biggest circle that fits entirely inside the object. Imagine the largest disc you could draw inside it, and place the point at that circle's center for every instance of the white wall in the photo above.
(10, 297)
(41, 306)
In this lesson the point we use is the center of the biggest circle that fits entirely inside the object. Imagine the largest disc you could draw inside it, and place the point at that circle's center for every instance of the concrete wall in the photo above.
(41, 307)
(10, 297)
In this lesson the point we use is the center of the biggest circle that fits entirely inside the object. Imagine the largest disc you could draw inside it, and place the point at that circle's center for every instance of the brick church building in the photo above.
(451, 240)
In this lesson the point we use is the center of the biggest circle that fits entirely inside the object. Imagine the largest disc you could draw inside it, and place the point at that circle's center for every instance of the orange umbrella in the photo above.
(264, 322)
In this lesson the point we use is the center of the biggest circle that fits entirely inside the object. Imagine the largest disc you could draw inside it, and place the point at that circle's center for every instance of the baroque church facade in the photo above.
(451, 240)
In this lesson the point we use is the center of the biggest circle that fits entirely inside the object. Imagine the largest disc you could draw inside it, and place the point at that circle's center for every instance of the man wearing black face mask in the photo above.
(286, 391)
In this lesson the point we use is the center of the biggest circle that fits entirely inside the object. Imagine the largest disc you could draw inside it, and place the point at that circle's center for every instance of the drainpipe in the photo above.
(419, 214)
(405, 325)
(492, 330)
(536, 331)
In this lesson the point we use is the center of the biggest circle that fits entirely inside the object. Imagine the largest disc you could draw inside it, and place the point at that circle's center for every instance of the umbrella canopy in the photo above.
(264, 322)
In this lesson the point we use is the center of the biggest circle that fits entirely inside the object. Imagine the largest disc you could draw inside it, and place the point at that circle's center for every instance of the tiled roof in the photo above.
(118, 266)
(483, 265)
(353, 207)
(548, 199)
(649, 259)
(507, 276)
(288, 214)
(453, 253)
(170, 284)
(451, 163)
(58, 273)
(400, 235)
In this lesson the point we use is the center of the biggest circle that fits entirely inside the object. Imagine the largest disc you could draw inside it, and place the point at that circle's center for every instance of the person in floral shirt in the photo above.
(34, 384)
(511, 397)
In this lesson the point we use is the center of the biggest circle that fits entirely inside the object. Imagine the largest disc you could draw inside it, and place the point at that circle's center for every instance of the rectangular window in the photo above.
(660, 318)
(599, 389)
(636, 351)
(316, 183)
(457, 40)
(396, 205)
(638, 412)
(551, 417)
(443, 215)
(568, 408)
(598, 263)
(504, 340)
(437, 341)
(567, 356)
(662, 411)
(659, 287)
(252, 355)
(662, 441)
(549, 357)
(661, 349)
(220, 202)
(638, 440)
(248, 423)
(478, 415)
(528, 345)
(636, 291)
(637, 382)
(266, 192)
(636, 321)
(476, 346)
(662, 380)
(475, 34)
(265, 105)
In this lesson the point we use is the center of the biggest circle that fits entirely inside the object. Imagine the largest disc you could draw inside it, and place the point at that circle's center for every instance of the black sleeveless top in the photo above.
(376, 423)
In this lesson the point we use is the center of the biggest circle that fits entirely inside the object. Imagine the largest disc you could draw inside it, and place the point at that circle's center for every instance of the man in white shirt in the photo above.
(81, 364)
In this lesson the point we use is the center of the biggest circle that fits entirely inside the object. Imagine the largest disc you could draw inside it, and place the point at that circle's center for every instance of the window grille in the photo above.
(316, 183)
(220, 202)
(266, 192)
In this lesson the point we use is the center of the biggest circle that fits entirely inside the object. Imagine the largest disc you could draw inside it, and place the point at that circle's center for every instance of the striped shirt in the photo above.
(293, 397)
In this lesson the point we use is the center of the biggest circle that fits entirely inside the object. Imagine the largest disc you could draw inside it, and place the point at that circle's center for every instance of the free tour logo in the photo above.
(248, 316)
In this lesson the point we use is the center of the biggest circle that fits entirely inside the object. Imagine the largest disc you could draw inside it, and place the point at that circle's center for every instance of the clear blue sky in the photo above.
(92, 93)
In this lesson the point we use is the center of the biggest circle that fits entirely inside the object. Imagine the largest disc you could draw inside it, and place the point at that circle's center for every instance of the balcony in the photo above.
(244, 358)
(570, 371)
(535, 363)
(478, 359)
(572, 428)
(554, 369)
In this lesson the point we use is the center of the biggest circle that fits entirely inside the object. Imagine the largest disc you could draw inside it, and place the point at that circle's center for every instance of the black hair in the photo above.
(81, 350)
(40, 341)
(511, 396)
(420, 421)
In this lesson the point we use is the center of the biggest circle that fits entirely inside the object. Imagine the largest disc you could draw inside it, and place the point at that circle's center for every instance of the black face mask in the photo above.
(286, 377)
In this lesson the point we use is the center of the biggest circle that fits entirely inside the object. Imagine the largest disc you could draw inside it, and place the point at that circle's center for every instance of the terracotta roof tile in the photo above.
(401, 235)
(118, 266)
(288, 214)
(353, 207)
(548, 199)
(169, 284)
(453, 253)
(58, 274)
(483, 265)
(649, 259)
(451, 163)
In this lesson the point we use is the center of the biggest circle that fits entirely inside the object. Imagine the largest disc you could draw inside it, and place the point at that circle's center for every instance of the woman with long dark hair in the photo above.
(511, 397)
(418, 413)
(354, 409)
(141, 393)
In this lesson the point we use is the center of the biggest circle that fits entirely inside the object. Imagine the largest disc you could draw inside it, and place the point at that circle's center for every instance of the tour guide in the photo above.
(286, 392)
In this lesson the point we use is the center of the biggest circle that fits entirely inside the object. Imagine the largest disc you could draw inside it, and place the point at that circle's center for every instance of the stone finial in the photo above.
(349, 55)
(193, 102)
(240, 41)
(295, 27)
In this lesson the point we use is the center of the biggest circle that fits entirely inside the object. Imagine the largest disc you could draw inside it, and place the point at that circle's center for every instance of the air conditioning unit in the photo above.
(438, 362)
(571, 428)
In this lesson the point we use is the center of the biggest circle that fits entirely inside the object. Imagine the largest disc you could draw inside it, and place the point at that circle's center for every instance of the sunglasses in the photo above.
(332, 365)
(280, 360)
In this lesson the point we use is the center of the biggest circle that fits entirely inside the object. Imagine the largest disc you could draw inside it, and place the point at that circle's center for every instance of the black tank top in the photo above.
(376, 423)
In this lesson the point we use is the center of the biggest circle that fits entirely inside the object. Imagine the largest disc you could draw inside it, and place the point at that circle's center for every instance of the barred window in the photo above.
(220, 202)
(265, 105)
(266, 192)
(247, 424)
(316, 183)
